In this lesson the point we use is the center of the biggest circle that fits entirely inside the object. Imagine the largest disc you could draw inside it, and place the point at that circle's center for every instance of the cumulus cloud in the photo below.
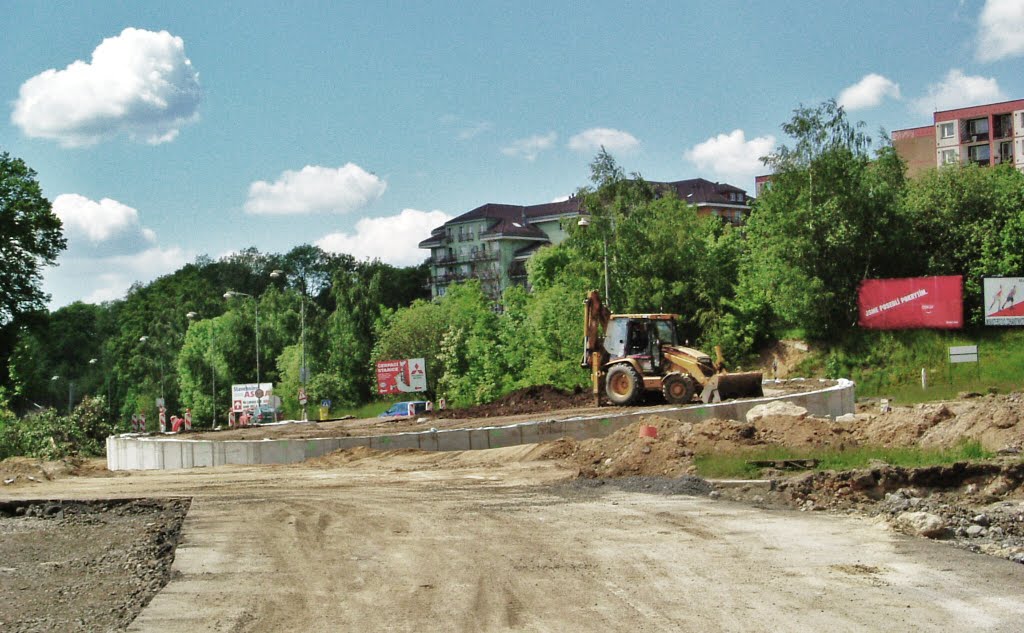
(97, 221)
(530, 147)
(1000, 30)
(595, 138)
(314, 188)
(958, 90)
(95, 279)
(393, 239)
(731, 156)
(868, 92)
(138, 83)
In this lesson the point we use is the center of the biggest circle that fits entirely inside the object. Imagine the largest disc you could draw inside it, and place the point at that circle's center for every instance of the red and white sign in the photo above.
(1004, 300)
(188, 419)
(912, 302)
(401, 376)
(303, 399)
(163, 420)
(243, 397)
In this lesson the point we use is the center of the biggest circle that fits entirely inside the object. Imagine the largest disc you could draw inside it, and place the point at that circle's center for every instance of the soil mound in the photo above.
(528, 400)
(21, 471)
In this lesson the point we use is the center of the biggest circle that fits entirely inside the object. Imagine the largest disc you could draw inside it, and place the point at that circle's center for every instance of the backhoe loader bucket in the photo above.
(727, 386)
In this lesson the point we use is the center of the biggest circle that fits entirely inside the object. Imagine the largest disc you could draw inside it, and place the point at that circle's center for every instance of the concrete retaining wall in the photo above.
(134, 452)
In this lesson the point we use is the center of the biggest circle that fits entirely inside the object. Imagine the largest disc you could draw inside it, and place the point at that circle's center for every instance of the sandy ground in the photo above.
(494, 541)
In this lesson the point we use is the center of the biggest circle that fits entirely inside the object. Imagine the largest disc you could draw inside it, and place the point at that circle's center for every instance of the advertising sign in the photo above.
(401, 376)
(244, 398)
(1004, 300)
(913, 302)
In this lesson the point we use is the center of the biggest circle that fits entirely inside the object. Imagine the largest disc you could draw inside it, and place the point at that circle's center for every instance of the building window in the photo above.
(1006, 152)
(949, 157)
(977, 129)
(978, 154)
(946, 130)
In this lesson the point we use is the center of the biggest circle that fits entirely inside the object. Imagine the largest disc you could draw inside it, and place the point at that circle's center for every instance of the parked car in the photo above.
(405, 409)
(266, 414)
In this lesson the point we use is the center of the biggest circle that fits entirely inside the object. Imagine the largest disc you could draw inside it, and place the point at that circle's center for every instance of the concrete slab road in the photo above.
(485, 542)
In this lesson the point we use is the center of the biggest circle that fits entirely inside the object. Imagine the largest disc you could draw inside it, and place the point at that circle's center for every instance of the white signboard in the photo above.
(1004, 300)
(963, 354)
(243, 397)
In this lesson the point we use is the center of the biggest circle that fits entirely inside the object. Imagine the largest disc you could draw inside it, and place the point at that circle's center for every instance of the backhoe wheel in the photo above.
(623, 385)
(678, 389)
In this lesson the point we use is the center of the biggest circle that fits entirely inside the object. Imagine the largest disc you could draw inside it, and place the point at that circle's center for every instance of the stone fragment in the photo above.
(776, 407)
(922, 524)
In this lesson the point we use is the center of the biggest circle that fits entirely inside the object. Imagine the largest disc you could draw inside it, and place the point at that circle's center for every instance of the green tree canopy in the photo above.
(30, 238)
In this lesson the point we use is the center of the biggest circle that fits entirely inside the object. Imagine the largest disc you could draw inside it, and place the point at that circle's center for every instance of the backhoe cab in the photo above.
(629, 354)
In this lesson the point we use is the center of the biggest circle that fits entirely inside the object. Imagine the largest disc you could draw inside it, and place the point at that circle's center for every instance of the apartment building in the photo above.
(985, 135)
(492, 242)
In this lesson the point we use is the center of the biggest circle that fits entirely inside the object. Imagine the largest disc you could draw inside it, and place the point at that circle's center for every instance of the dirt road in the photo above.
(488, 542)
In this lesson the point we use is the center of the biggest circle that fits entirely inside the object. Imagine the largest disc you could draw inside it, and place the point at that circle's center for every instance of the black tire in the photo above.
(678, 389)
(623, 385)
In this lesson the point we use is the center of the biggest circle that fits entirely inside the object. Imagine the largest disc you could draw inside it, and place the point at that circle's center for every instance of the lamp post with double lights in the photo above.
(303, 371)
(230, 294)
(71, 385)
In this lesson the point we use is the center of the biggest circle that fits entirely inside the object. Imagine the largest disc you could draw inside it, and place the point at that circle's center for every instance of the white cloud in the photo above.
(314, 188)
(106, 278)
(1000, 30)
(530, 147)
(138, 83)
(958, 90)
(97, 221)
(868, 92)
(393, 239)
(595, 138)
(731, 156)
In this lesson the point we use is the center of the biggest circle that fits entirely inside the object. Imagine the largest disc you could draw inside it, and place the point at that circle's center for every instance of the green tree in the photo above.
(30, 238)
(968, 220)
(829, 219)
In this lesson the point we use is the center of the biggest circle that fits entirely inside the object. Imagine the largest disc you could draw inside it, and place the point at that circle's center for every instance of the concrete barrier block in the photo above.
(501, 436)
(479, 439)
(453, 440)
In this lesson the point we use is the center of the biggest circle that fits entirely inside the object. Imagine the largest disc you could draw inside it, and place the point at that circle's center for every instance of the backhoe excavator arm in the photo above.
(595, 323)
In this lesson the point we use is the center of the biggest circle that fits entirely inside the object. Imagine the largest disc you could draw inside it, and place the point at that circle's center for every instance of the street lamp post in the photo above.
(584, 222)
(302, 336)
(144, 339)
(71, 387)
(256, 304)
(213, 375)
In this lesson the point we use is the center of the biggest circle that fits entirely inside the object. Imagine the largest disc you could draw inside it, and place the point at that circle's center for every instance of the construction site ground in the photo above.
(607, 534)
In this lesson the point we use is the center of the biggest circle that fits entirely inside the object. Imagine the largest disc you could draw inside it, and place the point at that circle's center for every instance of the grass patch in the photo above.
(889, 364)
(369, 410)
(735, 466)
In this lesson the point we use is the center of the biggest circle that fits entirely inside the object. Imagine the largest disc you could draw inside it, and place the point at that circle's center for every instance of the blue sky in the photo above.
(166, 132)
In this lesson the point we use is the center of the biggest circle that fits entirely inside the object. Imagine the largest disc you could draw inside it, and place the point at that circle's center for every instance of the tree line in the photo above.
(839, 209)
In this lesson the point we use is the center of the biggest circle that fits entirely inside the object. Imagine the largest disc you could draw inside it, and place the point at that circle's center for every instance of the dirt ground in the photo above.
(606, 534)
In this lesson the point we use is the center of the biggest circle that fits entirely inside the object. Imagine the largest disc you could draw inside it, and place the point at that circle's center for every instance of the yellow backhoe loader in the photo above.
(629, 354)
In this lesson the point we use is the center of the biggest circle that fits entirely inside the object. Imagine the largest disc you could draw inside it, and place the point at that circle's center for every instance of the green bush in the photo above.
(49, 435)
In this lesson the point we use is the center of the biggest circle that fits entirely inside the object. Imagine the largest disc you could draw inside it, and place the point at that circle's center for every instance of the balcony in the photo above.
(447, 259)
(974, 131)
(517, 270)
(1002, 126)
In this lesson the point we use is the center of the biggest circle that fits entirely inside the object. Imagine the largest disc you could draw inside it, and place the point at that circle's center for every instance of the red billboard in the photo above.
(913, 302)
(401, 376)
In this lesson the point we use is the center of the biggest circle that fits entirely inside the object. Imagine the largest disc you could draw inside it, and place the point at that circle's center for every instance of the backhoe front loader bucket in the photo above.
(728, 386)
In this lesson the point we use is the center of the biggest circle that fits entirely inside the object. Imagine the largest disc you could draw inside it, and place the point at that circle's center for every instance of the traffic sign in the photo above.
(258, 393)
(325, 403)
(302, 396)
